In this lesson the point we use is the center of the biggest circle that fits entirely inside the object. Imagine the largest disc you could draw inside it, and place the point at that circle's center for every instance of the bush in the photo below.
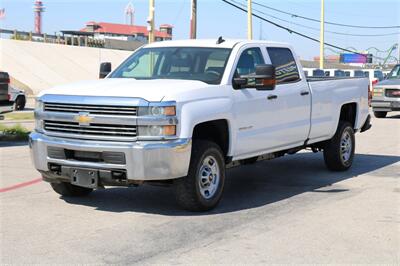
(16, 132)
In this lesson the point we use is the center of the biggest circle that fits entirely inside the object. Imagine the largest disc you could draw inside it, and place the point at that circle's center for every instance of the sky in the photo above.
(216, 18)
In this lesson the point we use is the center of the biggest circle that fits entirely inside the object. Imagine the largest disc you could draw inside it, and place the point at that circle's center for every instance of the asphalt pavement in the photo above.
(288, 210)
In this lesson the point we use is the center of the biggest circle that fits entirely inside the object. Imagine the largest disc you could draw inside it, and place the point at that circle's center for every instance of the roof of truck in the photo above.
(228, 43)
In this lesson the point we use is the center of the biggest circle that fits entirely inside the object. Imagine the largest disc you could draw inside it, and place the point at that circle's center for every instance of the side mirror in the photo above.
(263, 79)
(105, 69)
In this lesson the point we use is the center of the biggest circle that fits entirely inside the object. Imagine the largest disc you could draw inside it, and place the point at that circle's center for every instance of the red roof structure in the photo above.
(166, 26)
(123, 29)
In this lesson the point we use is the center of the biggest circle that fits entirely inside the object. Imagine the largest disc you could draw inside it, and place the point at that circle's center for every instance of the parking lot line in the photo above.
(21, 185)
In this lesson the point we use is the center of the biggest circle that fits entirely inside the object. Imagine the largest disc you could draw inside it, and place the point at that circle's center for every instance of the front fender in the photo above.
(199, 111)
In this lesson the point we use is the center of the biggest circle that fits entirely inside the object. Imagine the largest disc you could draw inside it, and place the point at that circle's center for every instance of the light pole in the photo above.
(249, 21)
(321, 39)
(193, 20)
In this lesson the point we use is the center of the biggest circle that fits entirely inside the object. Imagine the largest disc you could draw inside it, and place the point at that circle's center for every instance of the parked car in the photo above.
(318, 73)
(18, 97)
(6, 105)
(180, 112)
(334, 73)
(374, 75)
(386, 94)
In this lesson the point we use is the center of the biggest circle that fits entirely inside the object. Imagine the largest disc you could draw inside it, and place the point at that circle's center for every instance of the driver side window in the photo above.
(248, 61)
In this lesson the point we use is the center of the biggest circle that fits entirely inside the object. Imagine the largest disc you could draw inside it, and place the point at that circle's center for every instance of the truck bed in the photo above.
(328, 95)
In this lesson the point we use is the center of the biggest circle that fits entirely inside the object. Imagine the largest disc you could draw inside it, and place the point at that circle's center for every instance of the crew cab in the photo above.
(180, 112)
(386, 94)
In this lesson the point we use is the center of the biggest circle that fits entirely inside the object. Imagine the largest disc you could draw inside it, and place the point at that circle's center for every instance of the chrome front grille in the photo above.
(395, 93)
(105, 131)
(91, 109)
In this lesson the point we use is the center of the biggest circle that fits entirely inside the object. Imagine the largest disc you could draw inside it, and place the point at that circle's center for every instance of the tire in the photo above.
(69, 190)
(19, 104)
(339, 151)
(380, 114)
(195, 193)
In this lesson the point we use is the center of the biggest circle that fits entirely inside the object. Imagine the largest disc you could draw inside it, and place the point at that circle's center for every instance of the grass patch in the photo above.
(19, 116)
(13, 133)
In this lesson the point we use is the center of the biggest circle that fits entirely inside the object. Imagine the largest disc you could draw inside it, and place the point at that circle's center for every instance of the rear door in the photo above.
(294, 94)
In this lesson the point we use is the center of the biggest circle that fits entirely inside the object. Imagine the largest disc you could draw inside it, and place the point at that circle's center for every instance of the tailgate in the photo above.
(4, 81)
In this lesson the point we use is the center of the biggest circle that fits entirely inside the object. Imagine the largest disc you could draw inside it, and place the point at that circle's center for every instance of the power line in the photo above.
(292, 31)
(316, 29)
(288, 29)
(331, 23)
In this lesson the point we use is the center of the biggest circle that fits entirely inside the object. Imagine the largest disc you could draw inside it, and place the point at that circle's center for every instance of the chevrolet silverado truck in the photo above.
(180, 113)
(386, 94)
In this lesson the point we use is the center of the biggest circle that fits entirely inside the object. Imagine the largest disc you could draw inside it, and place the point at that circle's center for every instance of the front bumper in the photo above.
(385, 105)
(145, 160)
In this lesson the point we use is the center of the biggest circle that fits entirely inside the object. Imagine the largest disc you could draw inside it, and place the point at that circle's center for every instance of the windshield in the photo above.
(395, 73)
(188, 63)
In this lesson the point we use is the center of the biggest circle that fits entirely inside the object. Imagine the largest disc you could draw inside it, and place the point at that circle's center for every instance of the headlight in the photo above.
(157, 111)
(157, 121)
(38, 105)
(39, 125)
(157, 131)
(378, 92)
(38, 122)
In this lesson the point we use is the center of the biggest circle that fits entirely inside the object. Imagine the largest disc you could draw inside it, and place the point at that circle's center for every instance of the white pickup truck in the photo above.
(181, 112)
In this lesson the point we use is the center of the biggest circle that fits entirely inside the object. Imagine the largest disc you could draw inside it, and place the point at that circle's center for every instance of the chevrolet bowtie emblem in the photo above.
(83, 119)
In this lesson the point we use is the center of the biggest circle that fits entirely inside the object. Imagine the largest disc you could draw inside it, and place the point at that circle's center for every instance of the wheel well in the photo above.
(348, 113)
(20, 97)
(216, 131)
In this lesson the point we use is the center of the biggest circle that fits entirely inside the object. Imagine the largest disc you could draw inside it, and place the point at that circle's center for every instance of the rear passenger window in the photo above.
(285, 65)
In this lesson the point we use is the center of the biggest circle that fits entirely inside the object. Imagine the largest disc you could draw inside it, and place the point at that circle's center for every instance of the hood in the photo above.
(150, 90)
(388, 82)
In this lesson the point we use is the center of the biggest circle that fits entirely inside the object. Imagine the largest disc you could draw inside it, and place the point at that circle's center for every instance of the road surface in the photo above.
(288, 210)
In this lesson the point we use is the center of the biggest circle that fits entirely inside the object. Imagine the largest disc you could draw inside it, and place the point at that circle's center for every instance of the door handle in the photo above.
(272, 96)
(303, 93)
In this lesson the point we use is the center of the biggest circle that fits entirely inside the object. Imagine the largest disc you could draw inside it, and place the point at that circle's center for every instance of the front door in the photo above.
(254, 110)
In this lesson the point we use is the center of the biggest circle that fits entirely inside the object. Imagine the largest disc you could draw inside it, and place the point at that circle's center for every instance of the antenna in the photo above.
(129, 13)
(220, 40)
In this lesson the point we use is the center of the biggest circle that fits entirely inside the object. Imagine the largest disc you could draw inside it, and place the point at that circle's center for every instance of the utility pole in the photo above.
(150, 21)
(321, 39)
(398, 51)
(249, 21)
(193, 20)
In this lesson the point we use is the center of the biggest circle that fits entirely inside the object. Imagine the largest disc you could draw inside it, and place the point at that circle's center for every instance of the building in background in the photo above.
(124, 32)
(328, 58)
